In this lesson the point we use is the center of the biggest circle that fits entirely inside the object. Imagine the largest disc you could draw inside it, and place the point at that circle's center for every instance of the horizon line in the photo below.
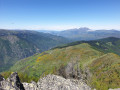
(89, 29)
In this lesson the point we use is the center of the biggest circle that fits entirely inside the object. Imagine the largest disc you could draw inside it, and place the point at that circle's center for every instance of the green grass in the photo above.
(16, 45)
(52, 60)
(106, 45)
(106, 72)
(105, 68)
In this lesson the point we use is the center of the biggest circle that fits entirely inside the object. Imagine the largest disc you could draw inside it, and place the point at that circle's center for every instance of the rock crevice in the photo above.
(11, 83)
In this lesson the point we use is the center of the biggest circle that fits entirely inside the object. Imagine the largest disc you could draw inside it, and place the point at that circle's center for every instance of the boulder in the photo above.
(54, 82)
(30, 86)
(50, 82)
(12, 83)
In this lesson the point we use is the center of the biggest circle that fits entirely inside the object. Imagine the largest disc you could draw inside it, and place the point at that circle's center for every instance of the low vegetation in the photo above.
(103, 67)
(16, 45)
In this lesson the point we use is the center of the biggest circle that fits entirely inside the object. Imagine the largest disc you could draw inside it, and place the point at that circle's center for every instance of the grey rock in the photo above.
(54, 82)
(1, 79)
(50, 82)
(30, 86)
(12, 83)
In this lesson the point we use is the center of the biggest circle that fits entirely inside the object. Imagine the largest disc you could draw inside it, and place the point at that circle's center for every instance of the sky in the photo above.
(59, 14)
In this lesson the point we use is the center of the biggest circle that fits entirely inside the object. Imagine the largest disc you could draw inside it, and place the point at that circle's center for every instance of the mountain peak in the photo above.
(84, 28)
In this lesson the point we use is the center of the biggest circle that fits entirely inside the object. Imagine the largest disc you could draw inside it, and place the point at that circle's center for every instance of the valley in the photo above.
(85, 61)
(59, 44)
(16, 45)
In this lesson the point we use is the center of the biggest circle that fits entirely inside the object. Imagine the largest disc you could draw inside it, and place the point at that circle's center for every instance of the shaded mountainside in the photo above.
(16, 45)
(80, 61)
(85, 33)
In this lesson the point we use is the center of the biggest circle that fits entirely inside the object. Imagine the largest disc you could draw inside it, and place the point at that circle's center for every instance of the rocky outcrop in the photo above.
(11, 83)
(54, 82)
(50, 82)
(30, 86)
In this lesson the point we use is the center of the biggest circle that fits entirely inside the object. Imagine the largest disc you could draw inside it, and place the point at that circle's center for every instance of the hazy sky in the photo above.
(59, 14)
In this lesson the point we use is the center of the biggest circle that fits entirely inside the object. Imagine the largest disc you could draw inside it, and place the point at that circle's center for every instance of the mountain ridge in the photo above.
(16, 45)
(110, 44)
(85, 33)
(79, 61)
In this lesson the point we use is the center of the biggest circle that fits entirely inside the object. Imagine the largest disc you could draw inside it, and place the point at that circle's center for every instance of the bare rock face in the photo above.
(53, 82)
(1, 79)
(30, 86)
(50, 82)
(11, 83)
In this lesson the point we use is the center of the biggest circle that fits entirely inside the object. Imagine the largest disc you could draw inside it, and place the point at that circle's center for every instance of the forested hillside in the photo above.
(16, 45)
(97, 68)
(110, 44)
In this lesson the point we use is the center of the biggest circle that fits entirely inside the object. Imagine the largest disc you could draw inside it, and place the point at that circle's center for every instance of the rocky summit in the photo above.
(11, 83)
(54, 82)
(50, 82)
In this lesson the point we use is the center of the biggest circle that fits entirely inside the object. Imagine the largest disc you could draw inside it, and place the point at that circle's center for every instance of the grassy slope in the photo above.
(106, 72)
(16, 45)
(50, 61)
(105, 68)
(106, 45)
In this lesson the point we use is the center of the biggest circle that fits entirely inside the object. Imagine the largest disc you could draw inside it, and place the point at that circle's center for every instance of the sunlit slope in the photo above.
(106, 45)
(99, 70)
(106, 72)
(52, 60)
(19, 44)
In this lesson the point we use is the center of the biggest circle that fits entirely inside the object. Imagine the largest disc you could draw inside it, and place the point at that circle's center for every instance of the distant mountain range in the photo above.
(95, 62)
(84, 33)
(16, 45)
(93, 57)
